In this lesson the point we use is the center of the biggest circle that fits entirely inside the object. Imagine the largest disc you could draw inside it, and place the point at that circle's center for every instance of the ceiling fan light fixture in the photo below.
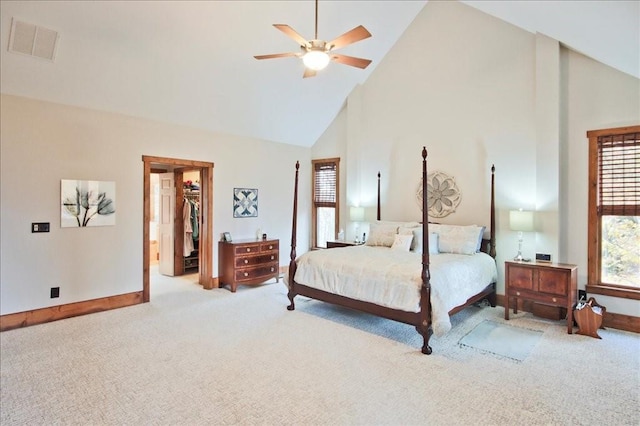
(316, 53)
(316, 60)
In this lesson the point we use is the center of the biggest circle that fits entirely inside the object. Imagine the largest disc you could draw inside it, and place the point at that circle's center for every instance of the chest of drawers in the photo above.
(247, 262)
(553, 284)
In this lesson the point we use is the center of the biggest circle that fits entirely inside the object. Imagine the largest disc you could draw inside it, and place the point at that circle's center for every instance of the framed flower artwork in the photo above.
(87, 203)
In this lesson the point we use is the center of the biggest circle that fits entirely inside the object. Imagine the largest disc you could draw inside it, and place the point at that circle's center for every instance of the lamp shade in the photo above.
(521, 220)
(356, 214)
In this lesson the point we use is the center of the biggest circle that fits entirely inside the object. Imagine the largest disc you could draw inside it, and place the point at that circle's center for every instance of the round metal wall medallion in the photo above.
(443, 195)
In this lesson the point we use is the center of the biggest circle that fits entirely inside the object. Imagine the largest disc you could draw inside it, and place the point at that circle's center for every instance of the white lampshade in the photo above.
(356, 214)
(521, 220)
(315, 60)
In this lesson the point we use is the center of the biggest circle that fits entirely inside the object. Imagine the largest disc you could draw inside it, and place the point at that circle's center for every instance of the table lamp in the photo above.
(521, 221)
(356, 215)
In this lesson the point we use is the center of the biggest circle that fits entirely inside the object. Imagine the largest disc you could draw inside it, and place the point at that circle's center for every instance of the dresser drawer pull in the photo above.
(270, 247)
(248, 249)
(554, 299)
(272, 269)
(517, 293)
(272, 257)
(246, 274)
(246, 261)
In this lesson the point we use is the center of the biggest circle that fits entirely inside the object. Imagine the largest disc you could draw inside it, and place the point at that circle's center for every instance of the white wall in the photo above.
(595, 97)
(478, 91)
(42, 143)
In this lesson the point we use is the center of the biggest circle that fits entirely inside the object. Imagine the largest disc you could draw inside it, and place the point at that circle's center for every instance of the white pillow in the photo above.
(416, 232)
(402, 242)
(434, 247)
(458, 239)
(381, 235)
(416, 244)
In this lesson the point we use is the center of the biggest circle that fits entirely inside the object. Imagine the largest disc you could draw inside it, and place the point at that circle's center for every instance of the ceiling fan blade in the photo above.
(308, 73)
(292, 33)
(356, 34)
(350, 60)
(277, 55)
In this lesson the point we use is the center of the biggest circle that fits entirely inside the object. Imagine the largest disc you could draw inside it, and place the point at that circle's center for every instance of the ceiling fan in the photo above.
(316, 53)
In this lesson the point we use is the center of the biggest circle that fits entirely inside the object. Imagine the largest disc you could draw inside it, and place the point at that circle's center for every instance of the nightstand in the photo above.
(334, 244)
(553, 284)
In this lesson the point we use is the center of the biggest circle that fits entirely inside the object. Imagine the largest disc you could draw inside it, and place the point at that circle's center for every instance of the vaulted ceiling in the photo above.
(191, 63)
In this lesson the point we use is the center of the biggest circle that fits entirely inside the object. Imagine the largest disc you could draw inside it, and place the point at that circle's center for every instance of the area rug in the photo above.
(503, 340)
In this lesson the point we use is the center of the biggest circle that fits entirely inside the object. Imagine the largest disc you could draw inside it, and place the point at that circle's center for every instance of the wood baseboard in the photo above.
(54, 313)
(621, 322)
(214, 282)
(611, 320)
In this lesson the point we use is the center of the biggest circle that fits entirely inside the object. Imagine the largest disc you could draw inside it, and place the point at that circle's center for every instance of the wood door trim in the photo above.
(206, 210)
(178, 225)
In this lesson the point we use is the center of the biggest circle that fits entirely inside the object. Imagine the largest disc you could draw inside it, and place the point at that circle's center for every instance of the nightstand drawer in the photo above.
(536, 296)
(521, 278)
(553, 282)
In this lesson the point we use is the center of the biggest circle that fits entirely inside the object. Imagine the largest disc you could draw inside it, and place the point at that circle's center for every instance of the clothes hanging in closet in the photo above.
(188, 227)
(195, 216)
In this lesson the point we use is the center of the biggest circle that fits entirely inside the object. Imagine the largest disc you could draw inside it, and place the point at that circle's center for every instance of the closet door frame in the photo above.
(179, 166)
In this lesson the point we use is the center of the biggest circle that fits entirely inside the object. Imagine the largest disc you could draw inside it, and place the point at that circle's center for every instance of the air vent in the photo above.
(32, 40)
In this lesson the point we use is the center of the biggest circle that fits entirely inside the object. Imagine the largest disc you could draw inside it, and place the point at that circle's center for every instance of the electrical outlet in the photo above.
(40, 227)
(582, 294)
(55, 292)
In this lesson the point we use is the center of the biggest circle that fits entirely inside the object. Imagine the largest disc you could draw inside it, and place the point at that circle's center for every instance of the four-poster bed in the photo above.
(400, 295)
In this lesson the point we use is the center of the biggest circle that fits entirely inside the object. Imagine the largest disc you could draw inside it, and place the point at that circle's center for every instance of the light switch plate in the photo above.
(39, 227)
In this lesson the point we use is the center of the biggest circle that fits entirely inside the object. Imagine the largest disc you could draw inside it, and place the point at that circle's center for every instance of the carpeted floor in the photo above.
(196, 357)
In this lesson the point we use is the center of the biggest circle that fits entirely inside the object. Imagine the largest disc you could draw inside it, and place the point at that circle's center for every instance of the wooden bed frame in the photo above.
(422, 319)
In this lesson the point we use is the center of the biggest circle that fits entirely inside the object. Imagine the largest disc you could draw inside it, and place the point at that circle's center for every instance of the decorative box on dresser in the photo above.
(553, 284)
(247, 262)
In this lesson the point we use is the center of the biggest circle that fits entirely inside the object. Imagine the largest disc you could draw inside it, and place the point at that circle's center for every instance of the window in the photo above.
(614, 212)
(325, 200)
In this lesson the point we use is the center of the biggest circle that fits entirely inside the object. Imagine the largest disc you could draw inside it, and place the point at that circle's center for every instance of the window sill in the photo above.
(624, 293)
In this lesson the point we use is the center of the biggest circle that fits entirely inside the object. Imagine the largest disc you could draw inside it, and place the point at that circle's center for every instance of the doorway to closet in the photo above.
(177, 169)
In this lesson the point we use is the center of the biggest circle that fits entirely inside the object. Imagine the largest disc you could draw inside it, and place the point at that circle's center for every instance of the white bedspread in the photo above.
(391, 278)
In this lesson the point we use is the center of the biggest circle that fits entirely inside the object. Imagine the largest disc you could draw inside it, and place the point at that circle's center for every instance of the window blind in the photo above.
(324, 192)
(619, 175)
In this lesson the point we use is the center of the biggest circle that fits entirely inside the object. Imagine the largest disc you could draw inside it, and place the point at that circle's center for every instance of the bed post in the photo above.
(378, 216)
(492, 249)
(292, 263)
(492, 298)
(424, 325)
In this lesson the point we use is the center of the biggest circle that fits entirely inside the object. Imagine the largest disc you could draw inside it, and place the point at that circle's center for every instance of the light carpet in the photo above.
(502, 340)
(197, 357)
